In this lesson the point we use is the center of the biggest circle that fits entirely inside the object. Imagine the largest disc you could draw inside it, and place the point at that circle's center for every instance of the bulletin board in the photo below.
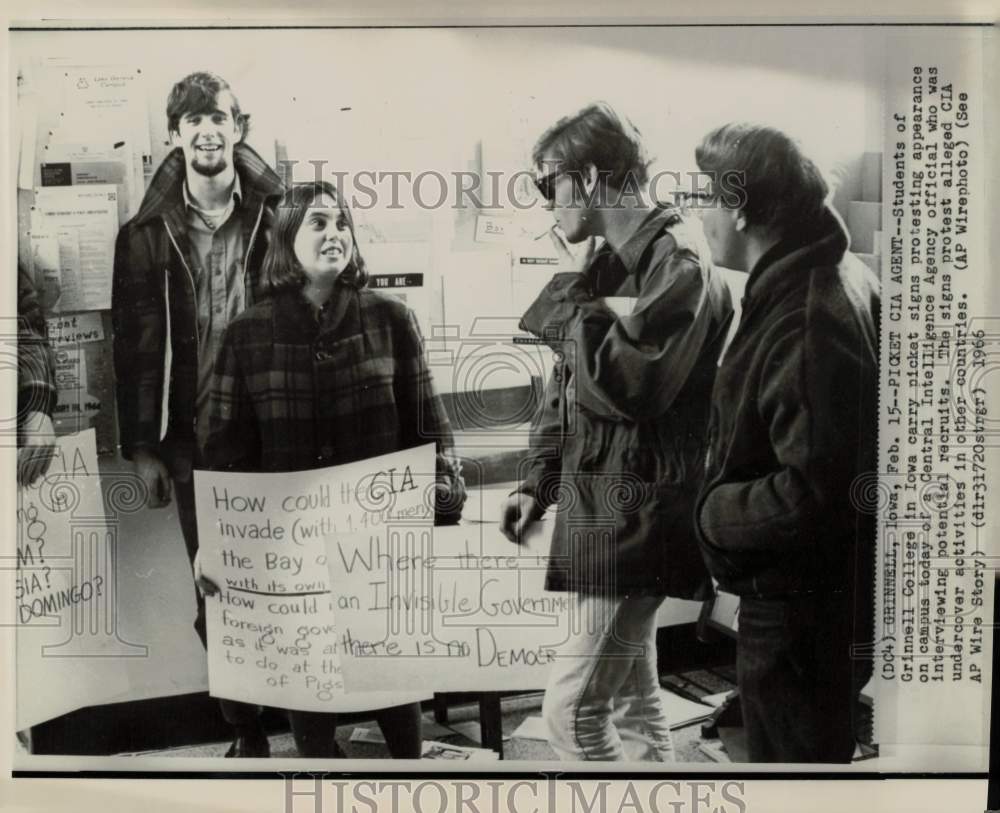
(85, 156)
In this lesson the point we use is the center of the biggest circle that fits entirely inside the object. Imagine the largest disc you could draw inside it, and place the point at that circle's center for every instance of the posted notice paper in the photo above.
(91, 212)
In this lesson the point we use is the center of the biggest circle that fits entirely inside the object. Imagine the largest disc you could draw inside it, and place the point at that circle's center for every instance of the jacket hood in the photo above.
(825, 244)
(165, 192)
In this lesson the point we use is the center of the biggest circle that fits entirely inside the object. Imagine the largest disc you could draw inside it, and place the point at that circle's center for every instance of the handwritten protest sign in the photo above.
(457, 608)
(64, 590)
(273, 630)
(335, 583)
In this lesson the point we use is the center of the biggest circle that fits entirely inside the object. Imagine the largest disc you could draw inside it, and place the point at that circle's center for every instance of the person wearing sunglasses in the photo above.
(636, 326)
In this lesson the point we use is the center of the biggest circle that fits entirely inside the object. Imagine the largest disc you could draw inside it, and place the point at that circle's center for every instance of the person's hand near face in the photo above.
(572, 257)
(567, 196)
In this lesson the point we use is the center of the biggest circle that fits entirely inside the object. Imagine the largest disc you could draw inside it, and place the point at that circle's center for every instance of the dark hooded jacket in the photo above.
(794, 426)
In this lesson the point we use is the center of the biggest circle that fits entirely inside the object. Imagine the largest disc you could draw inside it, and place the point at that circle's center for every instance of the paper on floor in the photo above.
(442, 750)
(681, 711)
(372, 735)
(716, 700)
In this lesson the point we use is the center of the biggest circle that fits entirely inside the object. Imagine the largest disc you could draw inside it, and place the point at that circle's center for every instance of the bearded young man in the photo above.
(185, 266)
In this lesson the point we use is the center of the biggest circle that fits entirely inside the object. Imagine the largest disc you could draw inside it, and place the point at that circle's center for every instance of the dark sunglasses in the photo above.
(546, 185)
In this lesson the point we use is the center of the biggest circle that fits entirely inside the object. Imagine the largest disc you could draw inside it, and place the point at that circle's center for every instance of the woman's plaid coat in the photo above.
(296, 387)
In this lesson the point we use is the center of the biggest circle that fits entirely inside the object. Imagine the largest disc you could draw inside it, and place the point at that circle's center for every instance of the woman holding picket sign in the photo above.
(322, 372)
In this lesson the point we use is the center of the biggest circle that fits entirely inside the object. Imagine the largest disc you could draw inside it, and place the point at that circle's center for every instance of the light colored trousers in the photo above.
(603, 698)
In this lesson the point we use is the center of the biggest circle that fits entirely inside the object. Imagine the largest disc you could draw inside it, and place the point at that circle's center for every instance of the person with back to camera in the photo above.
(323, 372)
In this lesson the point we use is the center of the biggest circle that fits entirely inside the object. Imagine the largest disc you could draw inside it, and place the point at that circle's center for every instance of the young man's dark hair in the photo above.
(794, 424)
(596, 135)
(198, 93)
(763, 172)
(619, 440)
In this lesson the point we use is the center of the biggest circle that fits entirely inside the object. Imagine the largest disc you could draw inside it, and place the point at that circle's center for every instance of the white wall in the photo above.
(424, 99)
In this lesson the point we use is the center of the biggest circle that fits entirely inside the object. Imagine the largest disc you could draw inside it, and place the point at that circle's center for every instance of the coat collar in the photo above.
(661, 216)
(165, 196)
(235, 196)
(295, 317)
(609, 270)
(823, 245)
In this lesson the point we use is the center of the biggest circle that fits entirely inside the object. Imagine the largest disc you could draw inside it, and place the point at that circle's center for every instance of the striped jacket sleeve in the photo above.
(36, 368)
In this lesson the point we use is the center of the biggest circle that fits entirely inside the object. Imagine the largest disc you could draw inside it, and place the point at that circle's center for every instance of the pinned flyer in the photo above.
(91, 211)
